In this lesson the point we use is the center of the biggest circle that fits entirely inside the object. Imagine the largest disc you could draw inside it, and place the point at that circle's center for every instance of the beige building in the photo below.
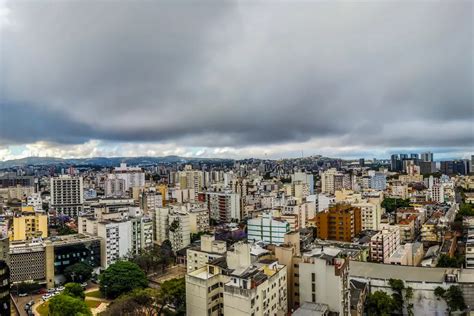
(323, 279)
(209, 250)
(236, 286)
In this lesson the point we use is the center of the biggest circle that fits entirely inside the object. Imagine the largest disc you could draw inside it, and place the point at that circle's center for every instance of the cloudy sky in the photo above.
(236, 79)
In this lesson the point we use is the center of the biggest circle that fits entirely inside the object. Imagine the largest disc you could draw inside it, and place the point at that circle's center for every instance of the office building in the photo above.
(427, 157)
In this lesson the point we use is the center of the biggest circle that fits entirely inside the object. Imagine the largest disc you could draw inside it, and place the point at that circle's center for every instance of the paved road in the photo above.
(21, 302)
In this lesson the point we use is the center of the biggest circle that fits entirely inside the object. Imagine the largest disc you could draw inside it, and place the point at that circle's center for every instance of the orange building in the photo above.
(341, 222)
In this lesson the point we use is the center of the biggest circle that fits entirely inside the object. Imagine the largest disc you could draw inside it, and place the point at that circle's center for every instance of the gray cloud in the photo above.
(236, 74)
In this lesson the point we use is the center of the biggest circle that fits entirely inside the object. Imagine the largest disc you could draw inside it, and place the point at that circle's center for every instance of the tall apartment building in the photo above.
(384, 243)
(468, 224)
(123, 232)
(224, 206)
(323, 279)
(134, 177)
(331, 181)
(161, 224)
(67, 195)
(435, 193)
(29, 226)
(191, 179)
(378, 181)
(115, 186)
(267, 229)
(179, 230)
(305, 178)
(340, 222)
(370, 215)
(209, 250)
(116, 240)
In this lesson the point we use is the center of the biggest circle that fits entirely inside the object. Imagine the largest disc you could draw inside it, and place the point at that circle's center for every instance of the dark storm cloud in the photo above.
(235, 74)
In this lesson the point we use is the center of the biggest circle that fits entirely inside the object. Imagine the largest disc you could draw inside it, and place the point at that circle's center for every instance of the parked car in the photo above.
(61, 288)
(84, 284)
(45, 297)
(22, 294)
(31, 303)
(51, 290)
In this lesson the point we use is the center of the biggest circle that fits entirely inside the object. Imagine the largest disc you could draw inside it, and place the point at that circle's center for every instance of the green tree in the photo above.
(62, 304)
(453, 296)
(74, 290)
(80, 271)
(138, 302)
(445, 261)
(173, 292)
(397, 287)
(408, 298)
(455, 299)
(122, 277)
(379, 303)
(391, 204)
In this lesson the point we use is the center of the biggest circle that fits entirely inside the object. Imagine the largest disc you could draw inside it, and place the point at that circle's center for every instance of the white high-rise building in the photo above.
(179, 230)
(134, 177)
(116, 240)
(67, 196)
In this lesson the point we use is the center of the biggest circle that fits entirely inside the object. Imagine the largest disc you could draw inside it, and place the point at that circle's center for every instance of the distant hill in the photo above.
(101, 161)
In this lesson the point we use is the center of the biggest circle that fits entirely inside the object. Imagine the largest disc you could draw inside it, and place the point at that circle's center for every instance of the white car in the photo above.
(84, 284)
(57, 292)
(45, 297)
(61, 288)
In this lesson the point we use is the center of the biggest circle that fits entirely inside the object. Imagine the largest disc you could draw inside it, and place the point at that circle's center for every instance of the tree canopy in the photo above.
(379, 303)
(74, 290)
(446, 261)
(453, 296)
(139, 302)
(80, 271)
(391, 204)
(63, 304)
(122, 277)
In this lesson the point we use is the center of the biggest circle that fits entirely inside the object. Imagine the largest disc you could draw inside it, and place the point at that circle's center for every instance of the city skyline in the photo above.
(236, 80)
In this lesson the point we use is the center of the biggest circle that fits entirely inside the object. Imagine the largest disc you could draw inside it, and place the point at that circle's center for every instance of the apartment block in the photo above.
(209, 249)
(384, 243)
(29, 225)
(340, 222)
(267, 229)
(67, 195)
